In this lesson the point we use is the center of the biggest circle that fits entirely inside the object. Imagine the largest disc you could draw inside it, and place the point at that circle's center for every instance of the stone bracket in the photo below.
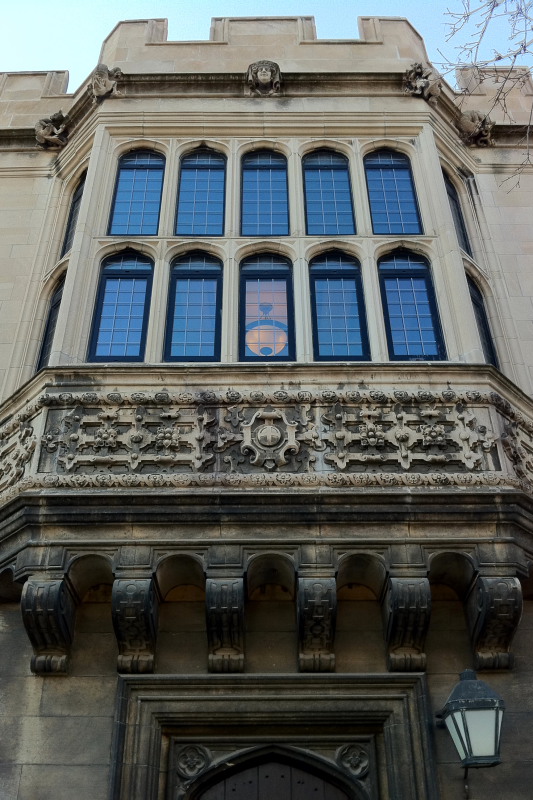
(48, 612)
(406, 609)
(135, 607)
(494, 608)
(225, 624)
(317, 614)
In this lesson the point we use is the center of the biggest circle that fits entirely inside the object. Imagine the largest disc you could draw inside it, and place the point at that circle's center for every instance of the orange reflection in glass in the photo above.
(266, 317)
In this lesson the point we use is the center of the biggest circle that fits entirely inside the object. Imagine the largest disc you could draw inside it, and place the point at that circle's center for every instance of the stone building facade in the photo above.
(266, 436)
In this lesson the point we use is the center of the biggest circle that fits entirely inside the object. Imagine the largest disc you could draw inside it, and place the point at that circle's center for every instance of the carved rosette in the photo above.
(406, 611)
(317, 613)
(225, 624)
(494, 608)
(135, 612)
(48, 612)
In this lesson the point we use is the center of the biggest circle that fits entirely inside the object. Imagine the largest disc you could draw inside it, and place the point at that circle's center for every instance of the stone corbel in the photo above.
(225, 623)
(317, 614)
(48, 612)
(135, 608)
(494, 608)
(406, 609)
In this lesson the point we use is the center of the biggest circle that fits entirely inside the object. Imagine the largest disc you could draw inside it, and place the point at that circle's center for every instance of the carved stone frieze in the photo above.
(317, 612)
(406, 611)
(225, 624)
(48, 612)
(135, 611)
(494, 608)
(420, 81)
(264, 78)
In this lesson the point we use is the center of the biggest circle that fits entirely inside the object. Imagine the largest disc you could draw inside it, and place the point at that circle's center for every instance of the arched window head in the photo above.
(411, 316)
(482, 320)
(50, 327)
(457, 214)
(73, 216)
(266, 316)
(391, 193)
(121, 313)
(137, 199)
(328, 194)
(194, 305)
(265, 200)
(201, 194)
(339, 322)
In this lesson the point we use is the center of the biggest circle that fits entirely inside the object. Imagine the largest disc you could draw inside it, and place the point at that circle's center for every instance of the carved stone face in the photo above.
(264, 75)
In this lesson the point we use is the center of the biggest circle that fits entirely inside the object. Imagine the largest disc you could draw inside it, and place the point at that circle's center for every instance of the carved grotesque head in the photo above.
(264, 78)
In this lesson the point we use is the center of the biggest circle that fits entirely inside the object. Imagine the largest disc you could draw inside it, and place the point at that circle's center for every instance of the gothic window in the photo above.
(193, 322)
(482, 321)
(137, 199)
(328, 195)
(457, 214)
(266, 318)
(411, 317)
(339, 324)
(265, 201)
(121, 315)
(201, 194)
(73, 216)
(50, 327)
(391, 193)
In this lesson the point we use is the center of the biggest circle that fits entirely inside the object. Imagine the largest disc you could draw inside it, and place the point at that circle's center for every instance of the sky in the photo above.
(58, 35)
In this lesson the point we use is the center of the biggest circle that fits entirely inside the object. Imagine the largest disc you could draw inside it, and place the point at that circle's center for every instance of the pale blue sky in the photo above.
(55, 34)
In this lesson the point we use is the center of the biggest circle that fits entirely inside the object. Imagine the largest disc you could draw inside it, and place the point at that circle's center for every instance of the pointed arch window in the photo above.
(265, 199)
(50, 327)
(137, 199)
(121, 314)
(482, 320)
(201, 194)
(339, 321)
(457, 214)
(73, 216)
(410, 308)
(266, 309)
(391, 193)
(328, 194)
(195, 299)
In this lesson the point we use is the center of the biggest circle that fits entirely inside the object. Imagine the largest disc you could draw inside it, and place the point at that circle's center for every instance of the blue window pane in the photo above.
(391, 193)
(265, 204)
(138, 194)
(328, 195)
(201, 195)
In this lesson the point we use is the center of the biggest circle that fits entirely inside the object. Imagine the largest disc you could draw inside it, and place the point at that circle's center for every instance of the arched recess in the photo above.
(359, 636)
(270, 614)
(448, 643)
(10, 590)
(275, 771)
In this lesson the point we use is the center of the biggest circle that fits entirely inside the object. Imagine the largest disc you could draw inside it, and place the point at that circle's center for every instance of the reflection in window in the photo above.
(328, 196)
(51, 322)
(391, 193)
(339, 325)
(266, 309)
(457, 214)
(137, 198)
(73, 217)
(121, 316)
(411, 318)
(482, 321)
(193, 324)
(201, 194)
(265, 203)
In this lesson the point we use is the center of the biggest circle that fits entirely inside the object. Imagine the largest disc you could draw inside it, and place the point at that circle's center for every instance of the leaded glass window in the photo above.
(201, 194)
(391, 193)
(50, 328)
(482, 320)
(411, 317)
(73, 217)
(457, 214)
(328, 195)
(137, 200)
(266, 316)
(265, 201)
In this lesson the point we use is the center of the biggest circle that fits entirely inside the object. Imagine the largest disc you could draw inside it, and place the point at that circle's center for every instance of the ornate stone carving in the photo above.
(264, 78)
(317, 612)
(353, 759)
(475, 129)
(104, 83)
(420, 81)
(48, 611)
(135, 611)
(15, 453)
(225, 624)
(51, 132)
(494, 608)
(406, 612)
(191, 760)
